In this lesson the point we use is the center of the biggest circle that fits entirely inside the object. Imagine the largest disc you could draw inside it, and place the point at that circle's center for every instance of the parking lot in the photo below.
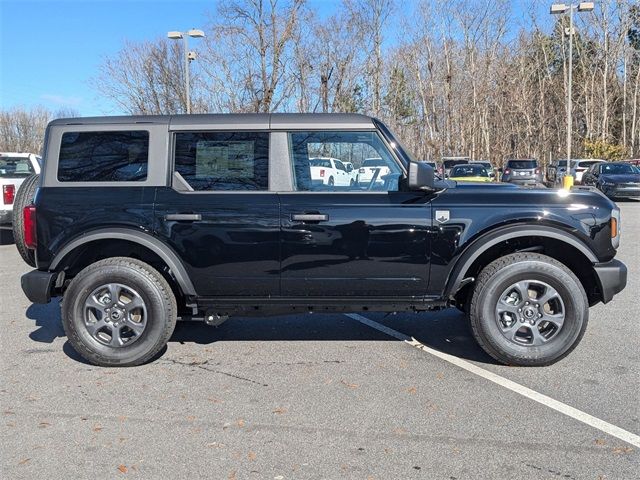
(321, 396)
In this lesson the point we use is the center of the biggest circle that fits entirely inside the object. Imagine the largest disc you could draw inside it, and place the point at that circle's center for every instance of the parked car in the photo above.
(469, 173)
(614, 179)
(437, 168)
(555, 171)
(580, 166)
(522, 172)
(203, 217)
(449, 162)
(373, 170)
(331, 171)
(14, 168)
(488, 167)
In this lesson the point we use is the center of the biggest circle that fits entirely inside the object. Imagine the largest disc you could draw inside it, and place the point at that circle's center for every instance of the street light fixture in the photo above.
(559, 9)
(188, 56)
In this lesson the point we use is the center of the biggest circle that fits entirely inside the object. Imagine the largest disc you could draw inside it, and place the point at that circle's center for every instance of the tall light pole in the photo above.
(561, 9)
(188, 56)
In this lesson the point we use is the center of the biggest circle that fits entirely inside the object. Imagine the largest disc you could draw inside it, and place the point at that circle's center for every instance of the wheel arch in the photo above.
(553, 242)
(143, 240)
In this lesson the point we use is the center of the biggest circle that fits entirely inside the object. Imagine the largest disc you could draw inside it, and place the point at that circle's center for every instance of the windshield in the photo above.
(562, 163)
(374, 162)
(468, 171)
(452, 163)
(587, 163)
(320, 162)
(522, 164)
(618, 169)
(15, 167)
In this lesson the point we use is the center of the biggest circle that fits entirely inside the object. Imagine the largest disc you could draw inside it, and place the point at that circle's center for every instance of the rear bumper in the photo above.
(612, 277)
(38, 285)
(6, 217)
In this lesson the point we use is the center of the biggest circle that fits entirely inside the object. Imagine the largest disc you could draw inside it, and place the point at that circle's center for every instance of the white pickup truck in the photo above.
(14, 168)
(332, 171)
(373, 169)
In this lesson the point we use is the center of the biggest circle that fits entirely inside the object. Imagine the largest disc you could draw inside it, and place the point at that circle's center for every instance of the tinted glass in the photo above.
(223, 160)
(374, 169)
(618, 169)
(469, 171)
(453, 163)
(522, 164)
(15, 167)
(103, 156)
(320, 162)
(562, 163)
(587, 163)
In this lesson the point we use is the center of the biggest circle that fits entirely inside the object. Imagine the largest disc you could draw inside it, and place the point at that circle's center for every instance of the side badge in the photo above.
(442, 216)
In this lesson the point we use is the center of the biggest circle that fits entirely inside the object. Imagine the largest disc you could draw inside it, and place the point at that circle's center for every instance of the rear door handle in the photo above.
(309, 217)
(183, 217)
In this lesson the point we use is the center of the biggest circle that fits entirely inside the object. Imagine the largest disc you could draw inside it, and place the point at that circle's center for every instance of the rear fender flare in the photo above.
(142, 238)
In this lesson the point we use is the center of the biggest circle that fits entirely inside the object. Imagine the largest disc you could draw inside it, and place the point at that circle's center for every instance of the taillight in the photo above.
(507, 171)
(322, 173)
(29, 226)
(361, 170)
(8, 194)
(537, 171)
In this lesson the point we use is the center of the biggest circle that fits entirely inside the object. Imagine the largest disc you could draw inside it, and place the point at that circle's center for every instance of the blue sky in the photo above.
(50, 50)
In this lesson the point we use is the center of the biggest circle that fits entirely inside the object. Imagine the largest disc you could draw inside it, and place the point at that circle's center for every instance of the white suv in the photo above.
(14, 168)
(578, 167)
(331, 171)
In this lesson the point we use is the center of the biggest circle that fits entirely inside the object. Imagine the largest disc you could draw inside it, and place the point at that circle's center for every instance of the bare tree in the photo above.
(22, 130)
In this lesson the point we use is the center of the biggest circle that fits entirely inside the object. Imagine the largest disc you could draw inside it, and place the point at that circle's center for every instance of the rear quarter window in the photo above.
(114, 156)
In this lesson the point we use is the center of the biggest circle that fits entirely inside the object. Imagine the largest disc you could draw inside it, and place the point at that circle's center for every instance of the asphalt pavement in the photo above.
(318, 397)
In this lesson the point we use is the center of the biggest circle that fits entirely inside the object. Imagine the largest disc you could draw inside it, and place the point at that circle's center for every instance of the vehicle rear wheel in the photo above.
(119, 312)
(528, 309)
(331, 181)
(24, 197)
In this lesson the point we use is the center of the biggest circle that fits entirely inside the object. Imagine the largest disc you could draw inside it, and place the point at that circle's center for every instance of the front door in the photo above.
(219, 215)
(362, 240)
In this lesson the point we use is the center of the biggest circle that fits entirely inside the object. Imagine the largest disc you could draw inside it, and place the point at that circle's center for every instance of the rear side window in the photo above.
(115, 156)
(223, 160)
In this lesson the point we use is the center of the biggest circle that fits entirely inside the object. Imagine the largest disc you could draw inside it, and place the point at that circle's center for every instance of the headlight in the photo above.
(616, 230)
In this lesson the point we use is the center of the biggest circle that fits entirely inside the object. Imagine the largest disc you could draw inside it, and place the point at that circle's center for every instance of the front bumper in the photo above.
(621, 192)
(612, 277)
(38, 285)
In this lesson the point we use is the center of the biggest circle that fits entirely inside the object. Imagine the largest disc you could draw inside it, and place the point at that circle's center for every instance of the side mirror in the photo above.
(420, 176)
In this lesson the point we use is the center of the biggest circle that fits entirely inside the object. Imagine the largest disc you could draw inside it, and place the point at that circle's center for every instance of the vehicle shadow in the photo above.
(6, 236)
(446, 331)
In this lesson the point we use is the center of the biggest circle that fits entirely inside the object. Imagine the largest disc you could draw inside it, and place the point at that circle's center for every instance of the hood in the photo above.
(621, 178)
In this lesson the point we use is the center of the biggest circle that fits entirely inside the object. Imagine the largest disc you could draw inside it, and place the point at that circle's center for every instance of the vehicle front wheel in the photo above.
(119, 312)
(528, 309)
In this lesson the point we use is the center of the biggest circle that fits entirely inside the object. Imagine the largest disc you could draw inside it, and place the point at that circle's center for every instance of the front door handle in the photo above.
(183, 217)
(309, 217)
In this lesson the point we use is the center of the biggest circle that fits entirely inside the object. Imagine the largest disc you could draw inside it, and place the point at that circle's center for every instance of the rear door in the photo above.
(354, 240)
(219, 215)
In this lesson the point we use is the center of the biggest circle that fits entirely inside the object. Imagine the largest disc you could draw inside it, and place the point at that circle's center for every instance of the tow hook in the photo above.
(215, 319)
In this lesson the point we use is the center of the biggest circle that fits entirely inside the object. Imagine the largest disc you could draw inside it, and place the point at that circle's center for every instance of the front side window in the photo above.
(321, 162)
(211, 161)
(115, 156)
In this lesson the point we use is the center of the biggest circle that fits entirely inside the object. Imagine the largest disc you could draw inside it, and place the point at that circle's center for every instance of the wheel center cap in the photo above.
(529, 312)
(115, 314)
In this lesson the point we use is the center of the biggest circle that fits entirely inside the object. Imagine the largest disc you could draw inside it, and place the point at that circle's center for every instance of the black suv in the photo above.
(141, 221)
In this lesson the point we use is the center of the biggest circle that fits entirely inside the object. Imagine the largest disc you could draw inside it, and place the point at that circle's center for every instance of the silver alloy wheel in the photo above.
(530, 313)
(115, 315)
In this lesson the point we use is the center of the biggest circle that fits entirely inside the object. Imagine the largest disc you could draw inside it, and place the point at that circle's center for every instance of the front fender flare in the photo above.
(473, 251)
(142, 238)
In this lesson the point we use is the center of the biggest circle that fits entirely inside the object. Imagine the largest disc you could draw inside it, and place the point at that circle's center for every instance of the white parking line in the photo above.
(572, 412)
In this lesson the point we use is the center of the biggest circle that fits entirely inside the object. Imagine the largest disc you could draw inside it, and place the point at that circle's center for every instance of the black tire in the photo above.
(331, 181)
(496, 279)
(155, 292)
(24, 197)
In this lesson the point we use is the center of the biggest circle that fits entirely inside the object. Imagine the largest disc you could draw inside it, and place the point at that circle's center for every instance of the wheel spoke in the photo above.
(94, 327)
(114, 292)
(537, 338)
(511, 331)
(549, 293)
(505, 307)
(135, 303)
(115, 341)
(92, 302)
(557, 319)
(523, 291)
(137, 328)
